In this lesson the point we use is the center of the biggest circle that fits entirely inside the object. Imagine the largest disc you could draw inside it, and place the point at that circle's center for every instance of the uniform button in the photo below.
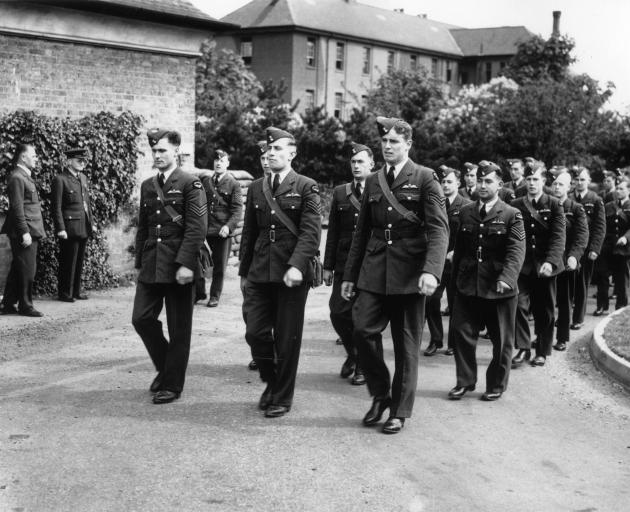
(389, 242)
(293, 207)
(157, 211)
(273, 211)
(273, 226)
(481, 225)
(159, 239)
(158, 226)
(480, 236)
(389, 225)
(356, 214)
(532, 225)
(389, 208)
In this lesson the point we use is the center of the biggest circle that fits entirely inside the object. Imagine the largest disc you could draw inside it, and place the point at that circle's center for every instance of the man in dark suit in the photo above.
(594, 209)
(171, 228)
(615, 256)
(24, 227)
(489, 253)
(396, 259)
(544, 222)
(342, 221)
(72, 215)
(576, 241)
(450, 179)
(469, 190)
(280, 238)
(225, 206)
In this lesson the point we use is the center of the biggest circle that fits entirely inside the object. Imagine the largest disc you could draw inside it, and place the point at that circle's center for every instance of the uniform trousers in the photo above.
(169, 357)
(19, 285)
(71, 256)
(540, 293)
(563, 298)
(274, 322)
(619, 267)
(220, 248)
(433, 310)
(470, 315)
(583, 278)
(405, 313)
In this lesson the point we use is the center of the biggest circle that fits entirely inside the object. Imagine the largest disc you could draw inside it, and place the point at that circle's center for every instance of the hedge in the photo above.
(111, 173)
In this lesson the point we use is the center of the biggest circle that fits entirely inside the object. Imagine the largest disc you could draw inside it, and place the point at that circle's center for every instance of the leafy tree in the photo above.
(539, 59)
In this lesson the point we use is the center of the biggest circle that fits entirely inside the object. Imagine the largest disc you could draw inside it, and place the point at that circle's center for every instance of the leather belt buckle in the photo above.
(272, 235)
(388, 234)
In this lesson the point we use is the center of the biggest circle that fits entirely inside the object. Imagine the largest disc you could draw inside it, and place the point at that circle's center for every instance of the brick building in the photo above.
(69, 58)
(331, 52)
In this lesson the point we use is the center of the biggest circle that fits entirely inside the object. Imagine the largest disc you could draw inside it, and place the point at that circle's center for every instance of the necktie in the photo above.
(535, 204)
(448, 203)
(357, 190)
(483, 212)
(470, 192)
(276, 182)
(161, 179)
(390, 176)
(216, 180)
(578, 198)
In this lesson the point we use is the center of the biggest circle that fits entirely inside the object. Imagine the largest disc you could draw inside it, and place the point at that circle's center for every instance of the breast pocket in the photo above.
(290, 203)
(408, 197)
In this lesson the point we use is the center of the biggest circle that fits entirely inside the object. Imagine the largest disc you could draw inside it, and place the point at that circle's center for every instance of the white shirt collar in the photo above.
(167, 174)
(397, 168)
(25, 169)
(281, 174)
(489, 205)
(219, 177)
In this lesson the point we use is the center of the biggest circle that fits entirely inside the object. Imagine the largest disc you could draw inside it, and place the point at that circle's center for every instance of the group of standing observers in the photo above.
(398, 239)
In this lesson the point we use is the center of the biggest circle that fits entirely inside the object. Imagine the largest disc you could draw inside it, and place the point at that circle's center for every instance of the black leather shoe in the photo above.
(431, 349)
(156, 385)
(347, 368)
(30, 312)
(491, 397)
(449, 352)
(459, 391)
(265, 399)
(522, 356)
(358, 379)
(276, 411)
(577, 326)
(65, 298)
(374, 415)
(164, 396)
(213, 302)
(81, 296)
(539, 361)
(560, 346)
(393, 425)
(600, 312)
(252, 365)
(8, 310)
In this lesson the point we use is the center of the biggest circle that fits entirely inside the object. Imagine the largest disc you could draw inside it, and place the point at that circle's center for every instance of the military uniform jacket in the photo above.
(453, 212)
(342, 221)
(488, 250)
(617, 225)
(388, 252)
(463, 191)
(225, 203)
(576, 228)
(506, 195)
(25, 213)
(162, 245)
(519, 190)
(545, 234)
(71, 205)
(596, 218)
(268, 248)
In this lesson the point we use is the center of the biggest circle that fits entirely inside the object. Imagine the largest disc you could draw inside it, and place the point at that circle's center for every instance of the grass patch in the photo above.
(617, 334)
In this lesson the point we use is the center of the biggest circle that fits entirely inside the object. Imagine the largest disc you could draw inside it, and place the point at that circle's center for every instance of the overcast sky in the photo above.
(598, 27)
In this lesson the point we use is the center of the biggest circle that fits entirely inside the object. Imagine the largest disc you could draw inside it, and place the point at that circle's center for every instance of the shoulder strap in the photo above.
(282, 217)
(407, 214)
(353, 199)
(175, 217)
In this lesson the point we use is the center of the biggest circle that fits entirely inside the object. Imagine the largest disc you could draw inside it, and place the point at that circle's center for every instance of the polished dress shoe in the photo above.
(156, 385)
(213, 302)
(600, 312)
(522, 356)
(539, 361)
(459, 391)
(432, 349)
(8, 310)
(374, 415)
(347, 368)
(65, 298)
(560, 346)
(252, 365)
(490, 396)
(81, 296)
(358, 378)
(164, 396)
(30, 312)
(265, 399)
(449, 352)
(276, 411)
(393, 425)
(577, 326)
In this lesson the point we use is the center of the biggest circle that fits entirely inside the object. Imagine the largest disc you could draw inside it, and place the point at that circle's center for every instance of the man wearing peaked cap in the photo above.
(276, 270)
(342, 220)
(489, 252)
(450, 180)
(72, 215)
(395, 260)
(469, 190)
(171, 229)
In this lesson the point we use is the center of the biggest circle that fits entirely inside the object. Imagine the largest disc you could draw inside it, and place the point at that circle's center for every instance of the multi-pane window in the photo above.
(413, 62)
(340, 56)
(391, 59)
(488, 71)
(309, 98)
(367, 58)
(247, 49)
(311, 51)
(338, 105)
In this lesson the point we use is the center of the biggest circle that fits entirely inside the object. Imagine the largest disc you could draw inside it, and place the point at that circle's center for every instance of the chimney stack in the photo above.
(556, 24)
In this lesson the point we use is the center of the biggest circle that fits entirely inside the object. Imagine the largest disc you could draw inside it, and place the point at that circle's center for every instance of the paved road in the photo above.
(78, 431)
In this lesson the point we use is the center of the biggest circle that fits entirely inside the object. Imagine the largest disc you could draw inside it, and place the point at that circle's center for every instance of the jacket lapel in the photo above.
(287, 183)
(403, 175)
